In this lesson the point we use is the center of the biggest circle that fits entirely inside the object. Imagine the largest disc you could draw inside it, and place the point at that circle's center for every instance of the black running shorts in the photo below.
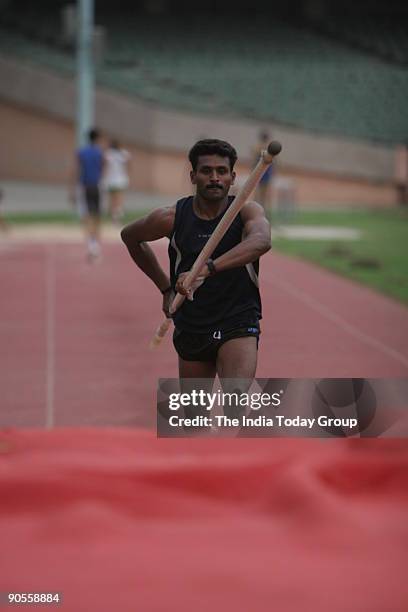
(204, 347)
(92, 199)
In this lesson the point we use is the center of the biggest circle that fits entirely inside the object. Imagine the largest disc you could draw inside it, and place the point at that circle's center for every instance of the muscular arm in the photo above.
(255, 242)
(158, 224)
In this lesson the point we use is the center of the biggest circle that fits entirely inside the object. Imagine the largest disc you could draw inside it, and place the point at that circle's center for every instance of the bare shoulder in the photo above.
(157, 224)
(251, 211)
(161, 218)
(165, 214)
(255, 221)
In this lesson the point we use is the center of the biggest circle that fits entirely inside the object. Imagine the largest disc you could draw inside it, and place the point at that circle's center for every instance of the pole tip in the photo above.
(274, 147)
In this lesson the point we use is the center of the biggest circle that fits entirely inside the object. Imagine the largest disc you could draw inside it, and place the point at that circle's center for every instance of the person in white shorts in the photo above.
(116, 179)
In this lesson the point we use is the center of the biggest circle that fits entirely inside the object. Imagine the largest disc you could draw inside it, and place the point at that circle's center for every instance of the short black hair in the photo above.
(212, 146)
(93, 134)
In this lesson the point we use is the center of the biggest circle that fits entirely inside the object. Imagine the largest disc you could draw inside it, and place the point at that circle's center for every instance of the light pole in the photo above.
(85, 70)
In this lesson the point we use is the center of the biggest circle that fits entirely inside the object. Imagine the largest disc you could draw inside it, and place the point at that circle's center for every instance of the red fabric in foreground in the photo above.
(118, 520)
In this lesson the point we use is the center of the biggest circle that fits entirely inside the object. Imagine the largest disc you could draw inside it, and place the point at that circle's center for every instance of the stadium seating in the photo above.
(263, 69)
(385, 37)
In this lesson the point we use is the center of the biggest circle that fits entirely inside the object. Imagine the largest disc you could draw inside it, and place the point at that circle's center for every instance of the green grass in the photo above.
(29, 218)
(383, 242)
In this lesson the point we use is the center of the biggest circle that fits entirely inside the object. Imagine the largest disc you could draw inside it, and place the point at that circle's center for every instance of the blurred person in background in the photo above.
(285, 198)
(116, 179)
(272, 188)
(3, 224)
(263, 193)
(401, 173)
(86, 179)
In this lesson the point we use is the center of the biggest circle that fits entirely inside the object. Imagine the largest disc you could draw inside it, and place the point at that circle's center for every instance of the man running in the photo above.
(89, 165)
(217, 328)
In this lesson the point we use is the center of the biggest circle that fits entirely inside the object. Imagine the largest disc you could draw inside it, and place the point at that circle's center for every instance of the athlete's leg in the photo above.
(111, 198)
(93, 221)
(112, 203)
(92, 225)
(117, 205)
(236, 367)
(237, 358)
(189, 371)
(196, 369)
(95, 224)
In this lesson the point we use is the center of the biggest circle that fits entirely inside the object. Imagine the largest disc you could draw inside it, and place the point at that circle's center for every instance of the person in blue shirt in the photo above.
(89, 166)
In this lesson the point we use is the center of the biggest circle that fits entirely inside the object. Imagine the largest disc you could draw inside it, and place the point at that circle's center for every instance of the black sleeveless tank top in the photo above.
(226, 300)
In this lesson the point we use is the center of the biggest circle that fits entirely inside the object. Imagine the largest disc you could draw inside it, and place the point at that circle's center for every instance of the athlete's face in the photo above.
(213, 177)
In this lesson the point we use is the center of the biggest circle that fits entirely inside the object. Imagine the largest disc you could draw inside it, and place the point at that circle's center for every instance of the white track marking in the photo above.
(50, 335)
(339, 321)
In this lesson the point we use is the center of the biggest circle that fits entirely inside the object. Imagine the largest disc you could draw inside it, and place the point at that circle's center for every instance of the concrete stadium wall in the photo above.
(37, 113)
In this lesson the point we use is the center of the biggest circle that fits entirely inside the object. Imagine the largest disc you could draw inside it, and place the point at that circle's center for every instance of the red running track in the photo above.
(76, 336)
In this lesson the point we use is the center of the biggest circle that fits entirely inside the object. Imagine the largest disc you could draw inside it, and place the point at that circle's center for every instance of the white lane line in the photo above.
(50, 335)
(344, 325)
